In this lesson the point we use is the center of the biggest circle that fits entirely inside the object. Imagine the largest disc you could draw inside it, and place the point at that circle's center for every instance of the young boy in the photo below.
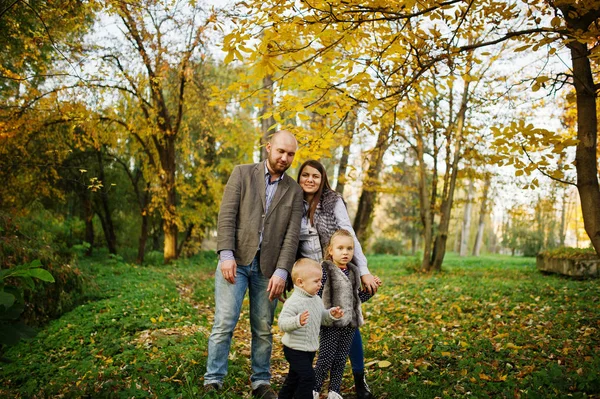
(300, 320)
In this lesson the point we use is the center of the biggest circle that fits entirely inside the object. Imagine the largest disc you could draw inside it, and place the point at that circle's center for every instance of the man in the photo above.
(257, 238)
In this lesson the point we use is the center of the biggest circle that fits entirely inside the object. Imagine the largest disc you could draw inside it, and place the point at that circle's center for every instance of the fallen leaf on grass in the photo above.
(510, 345)
(384, 363)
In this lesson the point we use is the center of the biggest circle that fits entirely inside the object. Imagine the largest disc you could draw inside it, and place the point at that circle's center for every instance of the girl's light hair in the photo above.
(338, 233)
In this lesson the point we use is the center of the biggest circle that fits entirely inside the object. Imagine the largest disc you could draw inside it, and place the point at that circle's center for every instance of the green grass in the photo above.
(484, 327)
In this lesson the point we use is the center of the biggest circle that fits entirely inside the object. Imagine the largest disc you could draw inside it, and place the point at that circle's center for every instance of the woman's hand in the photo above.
(370, 283)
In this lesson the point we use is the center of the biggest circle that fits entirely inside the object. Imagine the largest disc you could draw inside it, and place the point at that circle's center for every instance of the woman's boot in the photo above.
(360, 384)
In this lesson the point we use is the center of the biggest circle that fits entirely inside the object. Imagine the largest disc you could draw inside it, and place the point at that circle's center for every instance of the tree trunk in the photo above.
(458, 241)
(170, 213)
(368, 197)
(266, 123)
(482, 215)
(587, 131)
(88, 215)
(424, 202)
(156, 235)
(439, 248)
(466, 227)
(107, 225)
(563, 219)
(350, 128)
(186, 238)
(414, 237)
(144, 227)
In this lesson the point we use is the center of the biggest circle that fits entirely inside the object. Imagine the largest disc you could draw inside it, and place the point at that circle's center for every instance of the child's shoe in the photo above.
(334, 395)
(315, 395)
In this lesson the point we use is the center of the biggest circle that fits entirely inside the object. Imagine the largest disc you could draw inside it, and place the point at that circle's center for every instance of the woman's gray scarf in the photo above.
(325, 221)
(341, 290)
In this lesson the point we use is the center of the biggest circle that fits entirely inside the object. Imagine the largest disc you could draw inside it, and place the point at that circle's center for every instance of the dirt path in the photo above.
(242, 336)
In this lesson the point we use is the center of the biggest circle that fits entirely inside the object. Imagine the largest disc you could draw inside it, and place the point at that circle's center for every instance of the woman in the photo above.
(324, 213)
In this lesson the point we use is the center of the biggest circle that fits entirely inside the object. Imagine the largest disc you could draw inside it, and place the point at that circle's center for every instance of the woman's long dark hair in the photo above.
(323, 187)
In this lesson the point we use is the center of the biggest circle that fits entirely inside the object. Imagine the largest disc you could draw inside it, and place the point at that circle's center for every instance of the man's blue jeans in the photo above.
(228, 304)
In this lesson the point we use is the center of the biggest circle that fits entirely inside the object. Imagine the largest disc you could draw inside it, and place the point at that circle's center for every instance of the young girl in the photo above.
(341, 287)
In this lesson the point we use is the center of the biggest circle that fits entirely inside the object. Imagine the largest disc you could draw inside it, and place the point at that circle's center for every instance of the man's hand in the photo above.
(276, 287)
(370, 284)
(336, 312)
(304, 318)
(229, 270)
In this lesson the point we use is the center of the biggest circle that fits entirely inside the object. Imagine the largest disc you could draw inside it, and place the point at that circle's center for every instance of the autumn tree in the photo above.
(158, 100)
(379, 51)
(582, 29)
(40, 41)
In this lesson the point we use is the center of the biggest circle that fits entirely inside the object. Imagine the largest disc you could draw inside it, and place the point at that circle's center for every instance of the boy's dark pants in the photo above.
(300, 380)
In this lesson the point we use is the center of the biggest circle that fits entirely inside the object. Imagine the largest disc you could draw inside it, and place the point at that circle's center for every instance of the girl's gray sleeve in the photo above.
(343, 221)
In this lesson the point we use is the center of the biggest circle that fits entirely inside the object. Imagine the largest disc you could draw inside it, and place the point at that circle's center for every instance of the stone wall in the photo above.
(569, 267)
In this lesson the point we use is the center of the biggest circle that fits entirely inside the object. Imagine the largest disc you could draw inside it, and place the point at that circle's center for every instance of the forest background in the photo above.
(449, 126)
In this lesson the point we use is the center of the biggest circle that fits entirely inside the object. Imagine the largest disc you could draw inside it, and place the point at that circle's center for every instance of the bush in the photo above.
(570, 253)
(413, 264)
(12, 302)
(24, 239)
(387, 246)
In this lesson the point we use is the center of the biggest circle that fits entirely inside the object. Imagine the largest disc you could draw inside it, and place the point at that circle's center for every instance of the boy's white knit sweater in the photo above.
(303, 338)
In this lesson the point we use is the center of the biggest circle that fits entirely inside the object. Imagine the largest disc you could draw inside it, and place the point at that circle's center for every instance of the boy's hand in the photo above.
(377, 281)
(336, 312)
(304, 318)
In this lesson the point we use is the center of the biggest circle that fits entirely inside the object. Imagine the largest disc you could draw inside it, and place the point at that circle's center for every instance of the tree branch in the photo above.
(544, 172)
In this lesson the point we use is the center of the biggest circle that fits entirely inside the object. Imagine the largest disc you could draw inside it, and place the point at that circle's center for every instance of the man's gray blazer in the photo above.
(242, 218)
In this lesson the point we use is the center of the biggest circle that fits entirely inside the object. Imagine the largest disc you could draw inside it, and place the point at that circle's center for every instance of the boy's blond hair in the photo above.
(301, 266)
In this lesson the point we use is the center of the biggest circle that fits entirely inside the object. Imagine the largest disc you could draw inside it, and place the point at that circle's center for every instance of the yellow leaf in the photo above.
(542, 79)
(154, 349)
(510, 345)
(384, 363)
(161, 318)
(153, 320)
(228, 57)
(446, 354)
(484, 377)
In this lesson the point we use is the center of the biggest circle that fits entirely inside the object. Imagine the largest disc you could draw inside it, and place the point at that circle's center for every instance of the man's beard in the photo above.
(277, 168)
